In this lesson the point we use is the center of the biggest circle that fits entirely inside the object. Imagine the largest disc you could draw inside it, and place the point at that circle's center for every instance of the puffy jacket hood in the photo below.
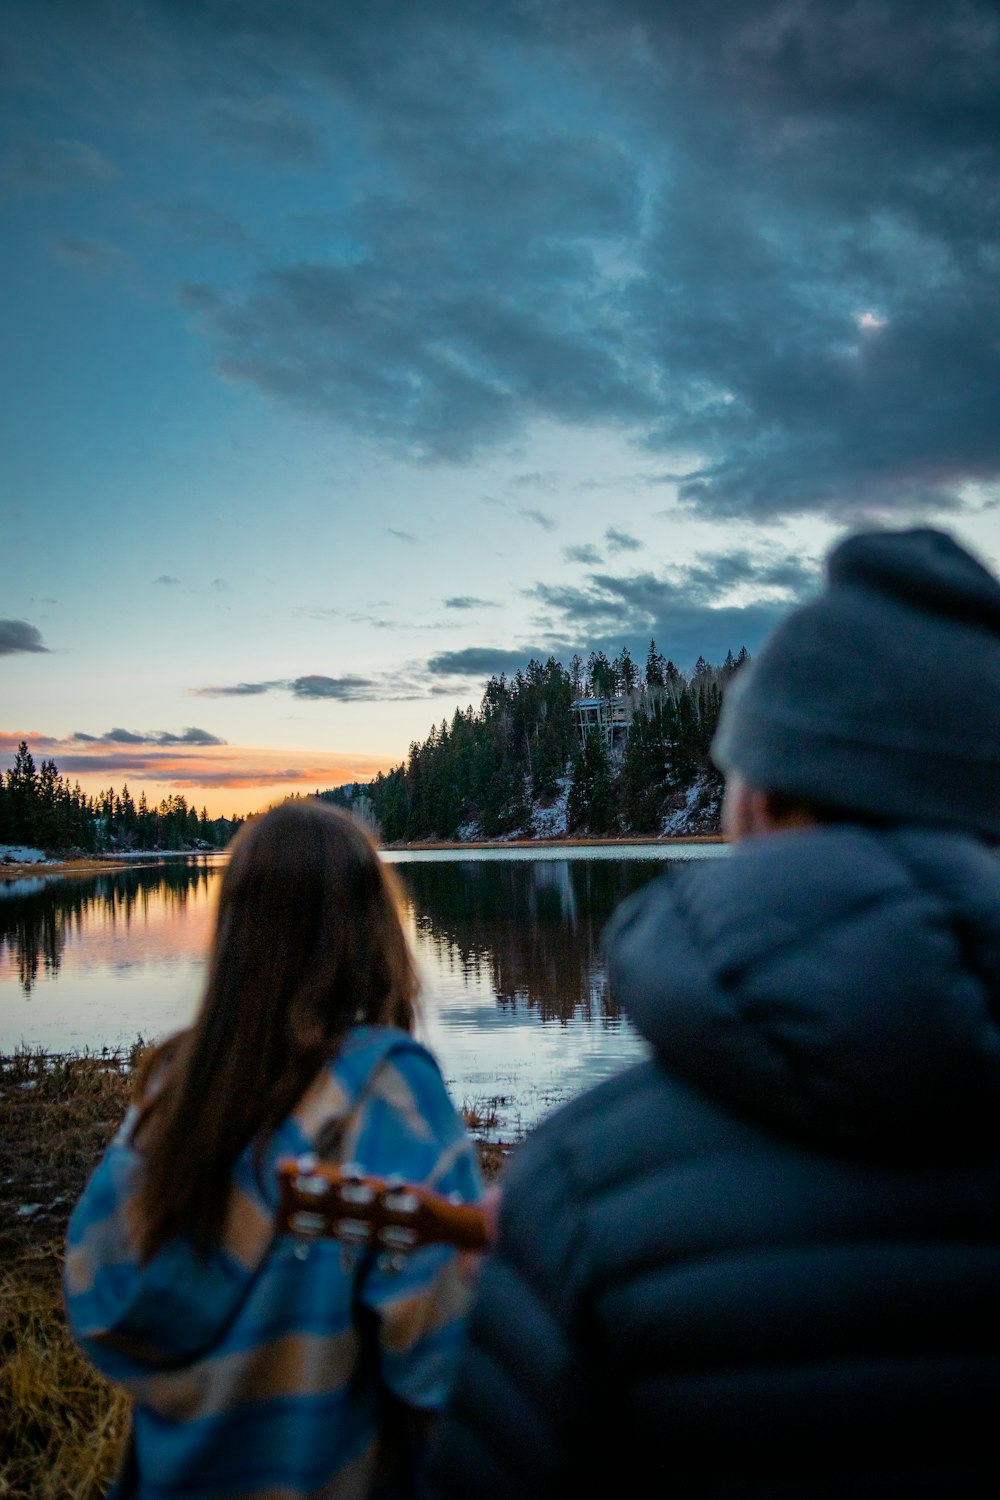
(841, 985)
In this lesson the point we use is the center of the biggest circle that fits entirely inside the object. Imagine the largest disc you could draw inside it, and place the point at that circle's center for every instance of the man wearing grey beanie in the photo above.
(766, 1262)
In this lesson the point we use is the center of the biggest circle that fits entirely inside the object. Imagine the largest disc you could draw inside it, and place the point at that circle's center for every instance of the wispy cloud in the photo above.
(404, 536)
(540, 517)
(37, 165)
(584, 553)
(190, 736)
(238, 689)
(167, 581)
(621, 541)
(86, 254)
(537, 479)
(267, 128)
(469, 601)
(349, 687)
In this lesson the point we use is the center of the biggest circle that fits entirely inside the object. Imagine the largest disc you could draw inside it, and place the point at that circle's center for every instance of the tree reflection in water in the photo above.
(532, 929)
(38, 918)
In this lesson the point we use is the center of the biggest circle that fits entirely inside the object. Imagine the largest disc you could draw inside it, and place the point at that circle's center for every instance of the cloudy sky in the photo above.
(353, 352)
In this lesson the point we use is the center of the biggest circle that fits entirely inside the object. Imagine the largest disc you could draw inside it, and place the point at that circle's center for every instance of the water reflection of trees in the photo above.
(531, 929)
(37, 923)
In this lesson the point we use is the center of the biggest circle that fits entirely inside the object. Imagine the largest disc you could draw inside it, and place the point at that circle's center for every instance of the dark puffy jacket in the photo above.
(767, 1261)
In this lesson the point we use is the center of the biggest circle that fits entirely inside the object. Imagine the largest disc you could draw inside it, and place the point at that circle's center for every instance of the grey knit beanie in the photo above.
(882, 696)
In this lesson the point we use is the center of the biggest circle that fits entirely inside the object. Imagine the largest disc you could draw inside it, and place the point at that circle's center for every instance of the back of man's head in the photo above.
(881, 698)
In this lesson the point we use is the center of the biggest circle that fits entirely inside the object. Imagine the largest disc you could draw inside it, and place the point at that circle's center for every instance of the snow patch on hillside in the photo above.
(695, 811)
(548, 820)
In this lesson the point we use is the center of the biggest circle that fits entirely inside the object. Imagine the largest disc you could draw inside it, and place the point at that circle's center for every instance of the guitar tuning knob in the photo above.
(391, 1264)
(307, 1162)
(352, 1171)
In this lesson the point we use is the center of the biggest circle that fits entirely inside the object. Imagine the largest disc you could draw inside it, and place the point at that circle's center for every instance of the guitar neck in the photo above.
(320, 1201)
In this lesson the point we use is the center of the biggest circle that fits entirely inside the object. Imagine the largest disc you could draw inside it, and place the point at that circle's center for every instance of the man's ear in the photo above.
(748, 812)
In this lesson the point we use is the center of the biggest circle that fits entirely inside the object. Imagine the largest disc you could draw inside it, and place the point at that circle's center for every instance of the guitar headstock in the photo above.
(321, 1201)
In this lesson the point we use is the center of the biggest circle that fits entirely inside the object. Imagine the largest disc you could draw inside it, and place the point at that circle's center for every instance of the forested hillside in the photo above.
(519, 765)
(40, 808)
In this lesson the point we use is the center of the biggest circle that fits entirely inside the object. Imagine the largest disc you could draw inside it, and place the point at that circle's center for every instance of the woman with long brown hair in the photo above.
(258, 1365)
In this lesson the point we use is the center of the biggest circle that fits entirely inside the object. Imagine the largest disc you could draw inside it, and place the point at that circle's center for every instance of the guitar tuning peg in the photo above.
(307, 1162)
(301, 1251)
(391, 1264)
(351, 1171)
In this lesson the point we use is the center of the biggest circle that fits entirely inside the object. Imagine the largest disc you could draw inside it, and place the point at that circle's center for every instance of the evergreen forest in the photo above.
(40, 808)
(494, 770)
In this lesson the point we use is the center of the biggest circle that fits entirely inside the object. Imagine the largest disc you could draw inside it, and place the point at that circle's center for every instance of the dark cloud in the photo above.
(762, 241)
(469, 601)
(198, 220)
(197, 297)
(94, 255)
(685, 608)
(348, 689)
(269, 130)
(167, 580)
(45, 165)
(237, 690)
(809, 164)
(404, 536)
(190, 736)
(582, 554)
(540, 517)
(621, 541)
(480, 661)
(17, 636)
(220, 585)
(397, 687)
(706, 579)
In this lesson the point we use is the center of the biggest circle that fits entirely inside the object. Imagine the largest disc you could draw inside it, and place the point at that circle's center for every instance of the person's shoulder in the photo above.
(367, 1049)
(642, 1123)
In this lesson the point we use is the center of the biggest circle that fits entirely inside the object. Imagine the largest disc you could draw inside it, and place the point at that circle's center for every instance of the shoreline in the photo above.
(111, 864)
(97, 864)
(626, 840)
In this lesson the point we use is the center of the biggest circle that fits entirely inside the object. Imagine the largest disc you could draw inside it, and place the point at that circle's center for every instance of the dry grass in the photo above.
(61, 1424)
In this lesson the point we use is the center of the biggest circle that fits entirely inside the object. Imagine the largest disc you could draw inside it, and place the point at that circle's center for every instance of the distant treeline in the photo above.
(490, 767)
(40, 808)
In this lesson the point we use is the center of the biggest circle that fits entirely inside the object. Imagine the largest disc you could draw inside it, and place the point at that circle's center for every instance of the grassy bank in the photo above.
(61, 1424)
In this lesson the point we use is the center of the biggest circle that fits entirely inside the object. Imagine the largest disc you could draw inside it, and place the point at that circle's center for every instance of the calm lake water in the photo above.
(515, 998)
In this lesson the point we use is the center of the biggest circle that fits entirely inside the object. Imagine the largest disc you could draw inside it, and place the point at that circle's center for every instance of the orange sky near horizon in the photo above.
(228, 780)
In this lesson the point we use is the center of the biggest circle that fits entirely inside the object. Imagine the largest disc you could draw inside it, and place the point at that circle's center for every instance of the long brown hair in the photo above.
(308, 943)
